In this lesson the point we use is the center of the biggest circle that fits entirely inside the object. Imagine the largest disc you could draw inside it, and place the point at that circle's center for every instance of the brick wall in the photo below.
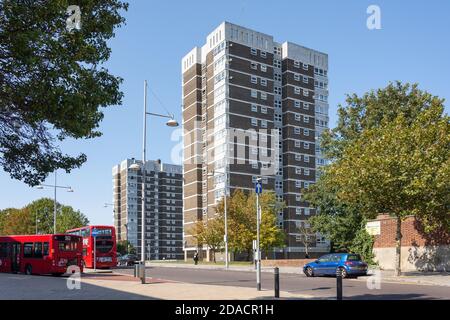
(412, 232)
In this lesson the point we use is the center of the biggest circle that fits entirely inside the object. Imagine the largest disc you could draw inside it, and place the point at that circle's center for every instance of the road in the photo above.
(318, 288)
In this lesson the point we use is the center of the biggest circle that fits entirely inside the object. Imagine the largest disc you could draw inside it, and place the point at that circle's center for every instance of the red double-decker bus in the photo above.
(106, 254)
(40, 254)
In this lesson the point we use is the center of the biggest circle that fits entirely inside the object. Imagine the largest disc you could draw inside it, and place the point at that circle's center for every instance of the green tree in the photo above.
(53, 81)
(401, 168)
(124, 247)
(23, 221)
(241, 213)
(210, 233)
(17, 222)
(342, 217)
(335, 220)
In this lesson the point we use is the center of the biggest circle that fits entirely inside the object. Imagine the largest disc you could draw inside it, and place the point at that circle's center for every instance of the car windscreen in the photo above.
(353, 257)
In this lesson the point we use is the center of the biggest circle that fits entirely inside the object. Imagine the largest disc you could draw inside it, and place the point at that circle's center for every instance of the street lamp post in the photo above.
(55, 186)
(171, 123)
(224, 174)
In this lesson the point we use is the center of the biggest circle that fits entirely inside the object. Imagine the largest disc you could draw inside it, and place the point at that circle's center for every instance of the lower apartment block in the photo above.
(163, 207)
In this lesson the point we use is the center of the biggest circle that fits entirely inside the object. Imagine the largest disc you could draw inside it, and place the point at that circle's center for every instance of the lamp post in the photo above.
(55, 186)
(225, 175)
(170, 123)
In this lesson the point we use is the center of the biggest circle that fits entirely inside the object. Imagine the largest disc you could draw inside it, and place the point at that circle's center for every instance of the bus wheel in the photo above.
(29, 270)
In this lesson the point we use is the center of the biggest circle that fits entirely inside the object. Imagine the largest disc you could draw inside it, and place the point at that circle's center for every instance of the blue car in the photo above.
(347, 264)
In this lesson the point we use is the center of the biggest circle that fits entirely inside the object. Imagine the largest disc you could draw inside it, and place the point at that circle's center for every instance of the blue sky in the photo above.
(412, 46)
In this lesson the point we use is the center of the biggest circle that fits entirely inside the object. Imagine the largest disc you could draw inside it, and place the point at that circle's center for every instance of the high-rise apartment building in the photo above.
(163, 207)
(252, 107)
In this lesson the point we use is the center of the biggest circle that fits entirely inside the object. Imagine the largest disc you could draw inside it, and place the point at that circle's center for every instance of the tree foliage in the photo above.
(210, 233)
(241, 208)
(53, 82)
(23, 221)
(390, 154)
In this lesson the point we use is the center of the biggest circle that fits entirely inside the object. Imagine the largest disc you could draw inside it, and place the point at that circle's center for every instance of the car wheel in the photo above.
(341, 271)
(29, 270)
(309, 272)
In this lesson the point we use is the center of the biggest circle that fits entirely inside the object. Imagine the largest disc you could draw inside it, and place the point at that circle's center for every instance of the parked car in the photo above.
(127, 260)
(347, 264)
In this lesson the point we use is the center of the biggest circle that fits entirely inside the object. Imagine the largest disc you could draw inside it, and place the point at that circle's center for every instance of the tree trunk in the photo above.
(398, 247)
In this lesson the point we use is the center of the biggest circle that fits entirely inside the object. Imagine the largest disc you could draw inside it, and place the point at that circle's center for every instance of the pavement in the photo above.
(388, 276)
(102, 286)
(208, 283)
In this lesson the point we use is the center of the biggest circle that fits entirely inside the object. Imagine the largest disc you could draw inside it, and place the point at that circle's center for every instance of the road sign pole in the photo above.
(95, 254)
(258, 190)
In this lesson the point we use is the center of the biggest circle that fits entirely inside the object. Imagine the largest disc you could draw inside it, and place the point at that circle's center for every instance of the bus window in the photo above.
(85, 232)
(67, 246)
(37, 250)
(28, 250)
(104, 232)
(45, 249)
(3, 250)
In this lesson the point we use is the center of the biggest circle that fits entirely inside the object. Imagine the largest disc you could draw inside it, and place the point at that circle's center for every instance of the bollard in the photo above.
(276, 273)
(135, 270)
(142, 272)
(339, 285)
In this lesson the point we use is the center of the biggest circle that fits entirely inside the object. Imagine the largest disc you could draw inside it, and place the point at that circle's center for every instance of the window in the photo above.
(297, 64)
(264, 109)
(296, 130)
(254, 108)
(298, 171)
(277, 63)
(264, 82)
(298, 198)
(298, 157)
(28, 250)
(298, 184)
(306, 132)
(306, 119)
(307, 172)
(278, 104)
(297, 90)
(263, 68)
(306, 209)
(305, 79)
(298, 210)
(305, 66)
(297, 144)
(254, 94)
(306, 106)
(305, 145)
(37, 250)
(277, 77)
(254, 65)
(263, 54)
(254, 122)
(297, 104)
(264, 123)
(305, 93)
(296, 77)
(253, 51)
(306, 158)
(263, 96)
(277, 90)
(254, 79)
(3, 250)
(254, 165)
(297, 117)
